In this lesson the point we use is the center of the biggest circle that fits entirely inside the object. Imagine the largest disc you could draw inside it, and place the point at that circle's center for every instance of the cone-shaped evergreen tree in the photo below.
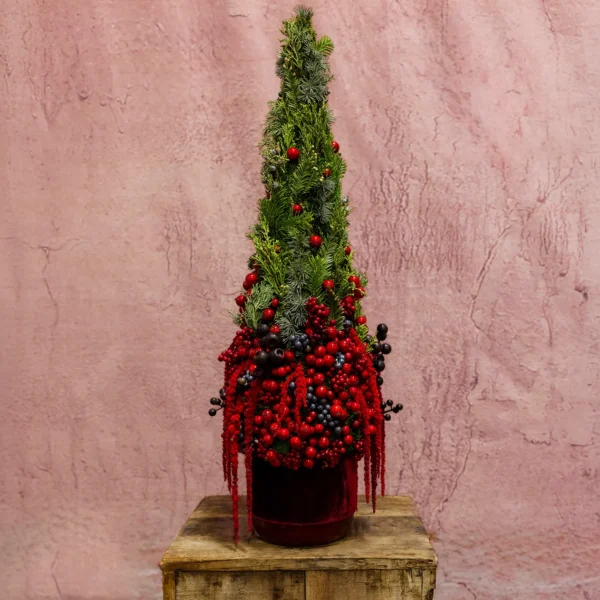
(302, 376)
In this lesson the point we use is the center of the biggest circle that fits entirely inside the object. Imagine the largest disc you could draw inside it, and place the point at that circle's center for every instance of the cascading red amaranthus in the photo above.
(307, 411)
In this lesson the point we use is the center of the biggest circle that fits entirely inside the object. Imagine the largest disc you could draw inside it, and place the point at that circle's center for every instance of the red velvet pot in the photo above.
(305, 507)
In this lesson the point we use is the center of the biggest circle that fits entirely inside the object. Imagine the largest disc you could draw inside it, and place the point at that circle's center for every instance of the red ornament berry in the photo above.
(269, 385)
(283, 433)
(327, 172)
(304, 430)
(331, 333)
(308, 463)
(252, 278)
(332, 347)
(323, 442)
(275, 329)
(310, 452)
(321, 391)
(293, 153)
(359, 293)
(268, 314)
(336, 411)
(348, 250)
(328, 360)
(241, 300)
(354, 279)
(289, 355)
(271, 456)
(361, 320)
(319, 379)
(319, 428)
(320, 351)
(348, 439)
(274, 303)
(296, 443)
(335, 146)
(315, 241)
(297, 209)
(267, 440)
(328, 284)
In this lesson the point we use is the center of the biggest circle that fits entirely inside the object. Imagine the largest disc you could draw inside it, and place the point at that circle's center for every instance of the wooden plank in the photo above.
(168, 578)
(428, 583)
(366, 585)
(248, 585)
(392, 538)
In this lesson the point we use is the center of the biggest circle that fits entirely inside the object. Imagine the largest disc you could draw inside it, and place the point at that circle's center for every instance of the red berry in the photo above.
(273, 427)
(241, 300)
(296, 442)
(355, 280)
(328, 360)
(308, 463)
(274, 303)
(323, 442)
(310, 452)
(359, 293)
(267, 440)
(348, 439)
(274, 329)
(268, 314)
(332, 348)
(258, 420)
(361, 320)
(321, 391)
(319, 363)
(319, 378)
(320, 351)
(270, 386)
(345, 430)
(371, 430)
(297, 209)
(331, 333)
(336, 411)
(348, 250)
(293, 153)
(327, 172)
(315, 241)
(252, 278)
(319, 428)
(310, 359)
(328, 284)
(271, 456)
(283, 433)
(335, 146)
(289, 356)
(304, 430)
(345, 345)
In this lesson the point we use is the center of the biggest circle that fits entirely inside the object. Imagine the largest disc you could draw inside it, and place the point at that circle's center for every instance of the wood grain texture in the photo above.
(407, 584)
(392, 538)
(168, 578)
(251, 585)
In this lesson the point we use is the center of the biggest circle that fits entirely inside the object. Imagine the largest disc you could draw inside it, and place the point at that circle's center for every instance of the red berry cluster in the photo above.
(305, 406)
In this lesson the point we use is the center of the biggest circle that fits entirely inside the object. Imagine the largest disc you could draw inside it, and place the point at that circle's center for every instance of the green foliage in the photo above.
(289, 268)
(281, 446)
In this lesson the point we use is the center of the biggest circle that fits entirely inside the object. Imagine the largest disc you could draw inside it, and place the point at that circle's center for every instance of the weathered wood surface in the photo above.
(391, 539)
(406, 584)
(240, 585)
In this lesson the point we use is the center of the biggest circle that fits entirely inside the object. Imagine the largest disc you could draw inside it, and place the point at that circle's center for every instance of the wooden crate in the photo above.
(386, 556)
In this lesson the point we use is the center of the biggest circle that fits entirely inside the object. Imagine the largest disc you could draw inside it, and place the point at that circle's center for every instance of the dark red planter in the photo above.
(305, 507)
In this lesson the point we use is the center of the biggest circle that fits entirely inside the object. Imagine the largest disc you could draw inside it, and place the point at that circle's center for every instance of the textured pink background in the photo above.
(129, 175)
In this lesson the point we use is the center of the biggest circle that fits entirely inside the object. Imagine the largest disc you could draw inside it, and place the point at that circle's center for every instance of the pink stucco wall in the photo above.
(129, 175)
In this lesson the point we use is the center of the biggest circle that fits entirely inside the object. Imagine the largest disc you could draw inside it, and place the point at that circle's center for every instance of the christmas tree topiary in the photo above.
(302, 376)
